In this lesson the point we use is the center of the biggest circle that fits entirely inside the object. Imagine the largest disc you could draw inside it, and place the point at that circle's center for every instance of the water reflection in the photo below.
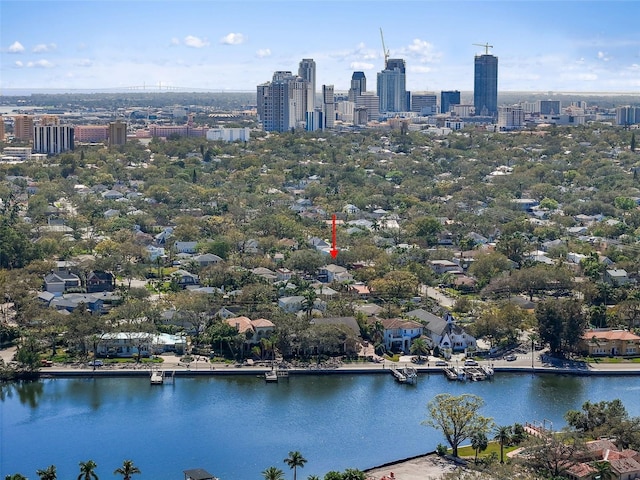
(28, 392)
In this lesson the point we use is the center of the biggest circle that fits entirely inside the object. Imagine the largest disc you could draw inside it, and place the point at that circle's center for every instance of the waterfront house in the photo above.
(130, 344)
(444, 333)
(606, 341)
(399, 333)
(252, 330)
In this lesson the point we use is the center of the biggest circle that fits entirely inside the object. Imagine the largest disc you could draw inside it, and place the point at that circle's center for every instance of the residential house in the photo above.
(601, 342)
(72, 301)
(185, 247)
(444, 332)
(349, 322)
(99, 281)
(283, 274)
(111, 195)
(441, 267)
(252, 330)
(60, 282)
(399, 333)
(360, 290)
(616, 277)
(334, 273)
(207, 259)
(266, 274)
(184, 278)
(296, 303)
(130, 344)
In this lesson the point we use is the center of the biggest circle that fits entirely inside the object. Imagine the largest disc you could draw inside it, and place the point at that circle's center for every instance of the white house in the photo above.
(444, 332)
(399, 333)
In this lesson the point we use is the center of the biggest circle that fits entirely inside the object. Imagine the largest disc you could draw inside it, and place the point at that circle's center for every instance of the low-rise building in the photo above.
(601, 342)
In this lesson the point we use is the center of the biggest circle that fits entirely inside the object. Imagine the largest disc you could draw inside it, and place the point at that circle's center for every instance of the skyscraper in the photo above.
(283, 102)
(485, 85)
(391, 87)
(424, 103)
(328, 106)
(448, 98)
(358, 85)
(117, 133)
(53, 139)
(23, 127)
(307, 70)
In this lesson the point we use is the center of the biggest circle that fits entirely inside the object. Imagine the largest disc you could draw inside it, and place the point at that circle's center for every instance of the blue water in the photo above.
(237, 426)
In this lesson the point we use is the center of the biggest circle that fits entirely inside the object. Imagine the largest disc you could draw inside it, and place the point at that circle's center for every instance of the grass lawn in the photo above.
(467, 451)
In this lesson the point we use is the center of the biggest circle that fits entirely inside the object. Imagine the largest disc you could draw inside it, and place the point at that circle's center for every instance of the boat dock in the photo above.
(272, 376)
(405, 375)
(475, 374)
(159, 377)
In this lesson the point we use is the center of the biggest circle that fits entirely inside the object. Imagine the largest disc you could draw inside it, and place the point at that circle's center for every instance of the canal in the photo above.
(236, 426)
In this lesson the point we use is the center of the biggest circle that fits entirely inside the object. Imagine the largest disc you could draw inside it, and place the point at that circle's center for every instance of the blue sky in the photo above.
(576, 46)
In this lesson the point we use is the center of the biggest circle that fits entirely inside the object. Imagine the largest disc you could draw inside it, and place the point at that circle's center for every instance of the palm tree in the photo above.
(87, 470)
(48, 473)
(126, 470)
(503, 435)
(15, 476)
(479, 443)
(295, 460)
(419, 347)
(313, 477)
(273, 473)
(604, 470)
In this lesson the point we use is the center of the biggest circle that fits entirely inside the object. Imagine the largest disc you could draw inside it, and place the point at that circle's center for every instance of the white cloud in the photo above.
(175, 41)
(43, 47)
(361, 66)
(603, 56)
(40, 64)
(233, 39)
(19, 64)
(422, 50)
(16, 47)
(263, 52)
(84, 62)
(195, 42)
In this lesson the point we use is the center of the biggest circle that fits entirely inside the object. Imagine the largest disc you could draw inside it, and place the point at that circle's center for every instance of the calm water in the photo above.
(235, 427)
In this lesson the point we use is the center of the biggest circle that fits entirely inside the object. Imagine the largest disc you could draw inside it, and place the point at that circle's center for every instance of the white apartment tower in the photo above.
(52, 139)
(328, 106)
(307, 70)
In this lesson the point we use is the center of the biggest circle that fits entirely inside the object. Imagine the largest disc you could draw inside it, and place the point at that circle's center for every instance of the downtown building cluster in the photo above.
(288, 101)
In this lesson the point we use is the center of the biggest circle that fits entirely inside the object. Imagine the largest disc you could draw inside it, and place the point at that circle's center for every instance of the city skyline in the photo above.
(578, 46)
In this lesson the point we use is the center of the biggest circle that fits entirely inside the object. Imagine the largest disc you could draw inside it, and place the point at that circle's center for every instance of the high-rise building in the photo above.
(1, 128)
(117, 133)
(23, 127)
(307, 70)
(424, 103)
(510, 117)
(283, 102)
(358, 85)
(627, 115)
(46, 120)
(90, 133)
(447, 99)
(370, 103)
(52, 139)
(328, 106)
(485, 85)
(391, 87)
(548, 107)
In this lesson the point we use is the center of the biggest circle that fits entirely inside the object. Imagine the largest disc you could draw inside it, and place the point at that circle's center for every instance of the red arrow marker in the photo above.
(334, 250)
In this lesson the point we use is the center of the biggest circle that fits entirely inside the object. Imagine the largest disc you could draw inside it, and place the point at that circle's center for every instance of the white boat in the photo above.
(157, 377)
(271, 376)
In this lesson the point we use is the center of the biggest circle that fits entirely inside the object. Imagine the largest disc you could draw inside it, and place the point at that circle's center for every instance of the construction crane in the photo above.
(384, 50)
(486, 47)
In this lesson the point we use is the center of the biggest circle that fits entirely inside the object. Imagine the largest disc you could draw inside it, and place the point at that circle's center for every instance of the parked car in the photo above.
(96, 363)
(441, 363)
(510, 358)
(470, 362)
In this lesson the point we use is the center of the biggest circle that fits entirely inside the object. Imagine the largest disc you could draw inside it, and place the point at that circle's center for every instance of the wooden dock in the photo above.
(405, 375)
(159, 377)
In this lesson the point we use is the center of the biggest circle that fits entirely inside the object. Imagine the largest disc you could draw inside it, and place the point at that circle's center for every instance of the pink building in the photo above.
(91, 133)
